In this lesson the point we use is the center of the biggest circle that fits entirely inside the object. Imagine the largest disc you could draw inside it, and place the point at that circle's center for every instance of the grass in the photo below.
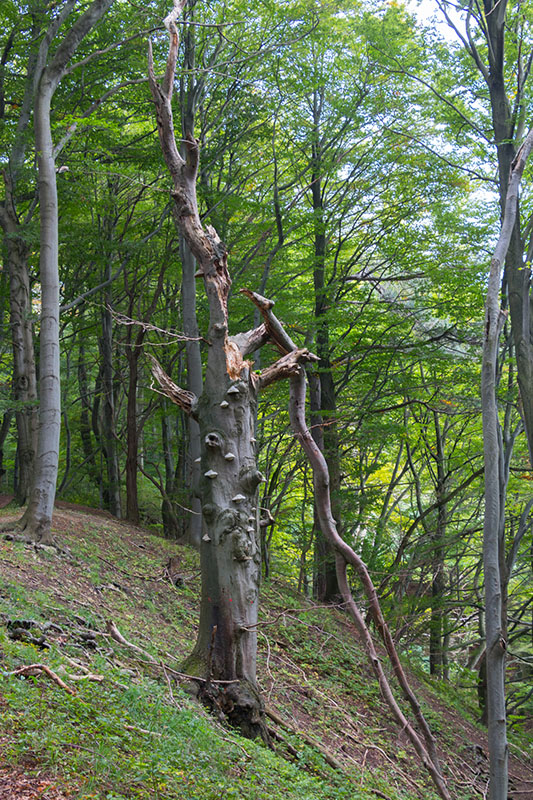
(137, 734)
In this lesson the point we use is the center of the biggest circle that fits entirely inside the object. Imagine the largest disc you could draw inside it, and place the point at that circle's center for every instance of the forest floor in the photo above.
(94, 718)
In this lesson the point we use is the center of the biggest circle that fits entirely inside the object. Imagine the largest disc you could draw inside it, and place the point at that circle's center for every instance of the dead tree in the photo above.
(224, 657)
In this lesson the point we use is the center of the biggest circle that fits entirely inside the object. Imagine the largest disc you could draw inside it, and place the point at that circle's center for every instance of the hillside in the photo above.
(115, 722)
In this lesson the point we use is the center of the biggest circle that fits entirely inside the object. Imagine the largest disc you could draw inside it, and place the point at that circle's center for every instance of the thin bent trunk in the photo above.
(495, 581)
(345, 556)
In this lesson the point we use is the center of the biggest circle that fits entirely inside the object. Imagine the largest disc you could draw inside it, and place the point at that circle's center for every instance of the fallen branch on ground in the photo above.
(36, 669)
(328, 757)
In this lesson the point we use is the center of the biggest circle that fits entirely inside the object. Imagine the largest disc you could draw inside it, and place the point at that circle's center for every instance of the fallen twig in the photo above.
(328, 757)
(35, 669)
(115, 634)
(142, 730)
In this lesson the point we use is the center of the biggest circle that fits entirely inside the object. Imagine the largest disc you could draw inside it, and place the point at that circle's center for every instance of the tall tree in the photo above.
(226, 646)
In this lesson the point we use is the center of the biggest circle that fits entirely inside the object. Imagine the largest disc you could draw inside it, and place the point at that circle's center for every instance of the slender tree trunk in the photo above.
(438, 579)
(36, 522)
(38, 517)
(132, 447)
(493, 537)
(85, 416)
(108, 429)
(426, 747)
(325, 584)
(24, 372)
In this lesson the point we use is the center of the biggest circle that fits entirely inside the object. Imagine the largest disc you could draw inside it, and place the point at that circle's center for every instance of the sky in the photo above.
(425, 9)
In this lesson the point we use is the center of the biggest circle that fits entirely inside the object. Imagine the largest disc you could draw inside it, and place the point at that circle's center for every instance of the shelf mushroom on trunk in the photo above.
(224, 656)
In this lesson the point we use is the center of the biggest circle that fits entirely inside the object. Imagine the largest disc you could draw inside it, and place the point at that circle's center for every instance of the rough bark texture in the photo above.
(194, 384)
(24, 372)
(230, 549)
(224, 657)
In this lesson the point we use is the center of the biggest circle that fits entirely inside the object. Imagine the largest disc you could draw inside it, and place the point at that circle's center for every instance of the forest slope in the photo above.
(129, 730)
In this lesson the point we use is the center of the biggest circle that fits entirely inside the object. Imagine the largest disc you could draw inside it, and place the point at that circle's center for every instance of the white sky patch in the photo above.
(428, 12)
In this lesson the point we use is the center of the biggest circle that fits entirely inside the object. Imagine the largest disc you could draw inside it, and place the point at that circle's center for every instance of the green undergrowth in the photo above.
(131, 731)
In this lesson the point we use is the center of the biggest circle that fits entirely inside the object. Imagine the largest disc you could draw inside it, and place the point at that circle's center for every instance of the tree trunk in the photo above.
(325, 584)
(438, 579)
(24, 371)
(85, 416)
(495, 480)
(108, 436)
(36, 523)
(226, 645)
(193, 530)
(132, 447)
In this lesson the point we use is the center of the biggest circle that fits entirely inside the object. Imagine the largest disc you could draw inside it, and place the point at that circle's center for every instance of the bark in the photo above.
(24, 371)
(345, 556)
(36, 522)
(437, 656)
(230, 550)
(230, 553)
(4, 430)
(325, 587)
(494, 512)
(190, 89)
(108, 427)
(194, 384)
(85, 416)
(17, 251)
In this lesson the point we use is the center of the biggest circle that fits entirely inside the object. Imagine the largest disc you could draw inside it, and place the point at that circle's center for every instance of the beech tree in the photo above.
(224, 657)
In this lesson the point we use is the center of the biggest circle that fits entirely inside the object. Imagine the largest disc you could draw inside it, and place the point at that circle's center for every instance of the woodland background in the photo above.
(348, 161)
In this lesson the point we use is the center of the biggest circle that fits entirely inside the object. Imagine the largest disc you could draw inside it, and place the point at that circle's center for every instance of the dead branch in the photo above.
(250, 341)
(275, 329)
(36, 669)
(345, 555)
(285, 367)
(115, 634)
(328, 757)
(181, 397)
(141, 730)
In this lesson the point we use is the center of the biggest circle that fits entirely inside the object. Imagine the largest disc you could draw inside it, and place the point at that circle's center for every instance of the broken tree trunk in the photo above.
(225, 650)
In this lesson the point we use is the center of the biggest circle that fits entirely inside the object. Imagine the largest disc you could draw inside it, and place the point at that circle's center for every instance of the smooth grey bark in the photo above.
(36, 522)
(510, 255)
(493, 558)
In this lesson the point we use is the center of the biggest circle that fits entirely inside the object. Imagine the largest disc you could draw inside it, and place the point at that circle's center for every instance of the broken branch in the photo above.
(181, 397)
(285, 367)
(36, 669)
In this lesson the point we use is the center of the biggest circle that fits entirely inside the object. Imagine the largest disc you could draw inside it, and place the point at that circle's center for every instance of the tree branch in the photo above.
(285, 367)
(181, 397)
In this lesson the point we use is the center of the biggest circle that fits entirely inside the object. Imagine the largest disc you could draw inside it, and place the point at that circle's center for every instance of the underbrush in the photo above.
(130, 731)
